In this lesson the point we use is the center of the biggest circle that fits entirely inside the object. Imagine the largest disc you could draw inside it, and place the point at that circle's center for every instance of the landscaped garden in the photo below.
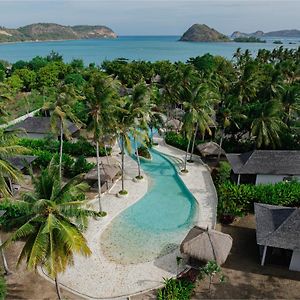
(251, 102)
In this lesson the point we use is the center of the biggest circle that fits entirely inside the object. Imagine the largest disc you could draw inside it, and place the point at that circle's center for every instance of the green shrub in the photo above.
(13, 211)
(176, 139)
(238, 199)
(144, 152)
(2, 288)
(43, 157)
(81, 147)
(81, 165)
(176, 289)
(223, 173)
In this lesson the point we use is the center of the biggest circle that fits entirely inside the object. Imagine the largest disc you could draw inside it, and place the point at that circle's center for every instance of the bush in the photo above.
(176, 289)
(144, 152)
(13, 211)
(81, 147)
(177, 140)
(81, 165)
(238, 200)
(2, 288)
(223, 173)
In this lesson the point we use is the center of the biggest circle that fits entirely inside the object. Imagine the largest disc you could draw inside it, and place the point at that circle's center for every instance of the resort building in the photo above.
(265, 166)
(40, 128)
(277, 231)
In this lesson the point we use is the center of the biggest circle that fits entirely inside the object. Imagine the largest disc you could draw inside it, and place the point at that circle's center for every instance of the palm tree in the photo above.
(61, 111)
(99, 98)
(229, 113)
(290, 98)
(8, 148)
(51, 227)
(267, 126)
(199, 101)
(127, 122)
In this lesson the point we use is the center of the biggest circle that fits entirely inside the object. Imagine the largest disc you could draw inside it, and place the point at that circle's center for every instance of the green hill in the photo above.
(203, 33)
(51, 31)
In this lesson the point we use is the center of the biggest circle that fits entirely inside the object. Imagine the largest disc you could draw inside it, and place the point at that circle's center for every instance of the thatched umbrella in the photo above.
(174, 124)
(210, 149)
(206, 245)
(107, 173)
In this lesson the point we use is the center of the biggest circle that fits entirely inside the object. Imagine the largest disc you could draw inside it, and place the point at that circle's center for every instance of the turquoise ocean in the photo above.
(151, 48)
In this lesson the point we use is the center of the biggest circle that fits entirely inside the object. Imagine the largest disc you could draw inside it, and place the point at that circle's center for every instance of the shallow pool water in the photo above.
(157, 223)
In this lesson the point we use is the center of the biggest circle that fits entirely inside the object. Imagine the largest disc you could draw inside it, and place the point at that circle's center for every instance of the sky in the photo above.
(156, 17)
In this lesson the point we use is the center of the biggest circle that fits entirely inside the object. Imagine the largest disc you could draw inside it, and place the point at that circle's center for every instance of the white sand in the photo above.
(98, 278)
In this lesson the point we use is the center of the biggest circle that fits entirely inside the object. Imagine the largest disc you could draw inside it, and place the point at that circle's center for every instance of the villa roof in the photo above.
(41, 125)
(272, 162)
(277, 226)
(174, 124)
(21, 161)
(210, 148)
(206, 245)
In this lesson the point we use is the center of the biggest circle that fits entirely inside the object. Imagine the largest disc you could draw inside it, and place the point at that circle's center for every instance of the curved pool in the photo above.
(156, 224)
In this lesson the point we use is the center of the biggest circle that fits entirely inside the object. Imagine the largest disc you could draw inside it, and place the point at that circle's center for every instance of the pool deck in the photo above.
(98, 278)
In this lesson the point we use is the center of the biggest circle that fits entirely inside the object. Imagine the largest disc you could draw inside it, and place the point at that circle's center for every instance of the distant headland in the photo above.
(204, 33)
(52, 31)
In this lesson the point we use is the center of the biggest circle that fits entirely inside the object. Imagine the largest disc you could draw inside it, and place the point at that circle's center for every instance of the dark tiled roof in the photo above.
(40, 125)
(273, 162)
(277, 226)
(21, 161)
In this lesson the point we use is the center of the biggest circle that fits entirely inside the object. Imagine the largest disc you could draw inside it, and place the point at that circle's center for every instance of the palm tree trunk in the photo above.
(98, 175)
(61, 149)
(221, 143)
(194, 139)
(57, 288)
(151, 132)
(186, 154)
(137, 158)
(123, 150)
(5, 265)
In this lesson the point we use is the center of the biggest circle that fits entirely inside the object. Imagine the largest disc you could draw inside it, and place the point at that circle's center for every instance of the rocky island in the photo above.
(203, 33)
(280, 33)
(51, 31)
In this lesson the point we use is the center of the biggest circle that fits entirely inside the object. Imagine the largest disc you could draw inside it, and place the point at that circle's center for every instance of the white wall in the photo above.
(264, 179)
(295, 261)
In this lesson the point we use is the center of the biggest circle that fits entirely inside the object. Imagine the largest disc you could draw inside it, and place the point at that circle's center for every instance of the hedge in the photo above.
(81, 147)
(239, 199)
(3, 289)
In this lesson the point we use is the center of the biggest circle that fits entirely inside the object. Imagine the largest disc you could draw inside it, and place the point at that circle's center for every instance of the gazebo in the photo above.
(210, 149)
(207, 244)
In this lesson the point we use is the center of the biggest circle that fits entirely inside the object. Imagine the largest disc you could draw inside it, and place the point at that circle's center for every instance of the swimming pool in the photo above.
(157, 223)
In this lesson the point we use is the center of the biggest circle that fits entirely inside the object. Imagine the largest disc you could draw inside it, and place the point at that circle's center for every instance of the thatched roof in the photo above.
(107, 173)
(210, 148)
(174, 124)
(277, 226)
(21, 161)
(269, 162)
(41, 125)
(206, 245)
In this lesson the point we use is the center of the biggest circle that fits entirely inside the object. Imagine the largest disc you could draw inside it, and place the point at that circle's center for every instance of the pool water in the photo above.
(156, 224)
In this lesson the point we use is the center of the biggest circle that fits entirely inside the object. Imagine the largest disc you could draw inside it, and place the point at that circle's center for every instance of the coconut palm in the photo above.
(290, 98)
(199, 101)
(99, 96)
(267, 126)
(61, 112)
(8, 148)
(130, 119)
(55, 215)
(229, 113)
